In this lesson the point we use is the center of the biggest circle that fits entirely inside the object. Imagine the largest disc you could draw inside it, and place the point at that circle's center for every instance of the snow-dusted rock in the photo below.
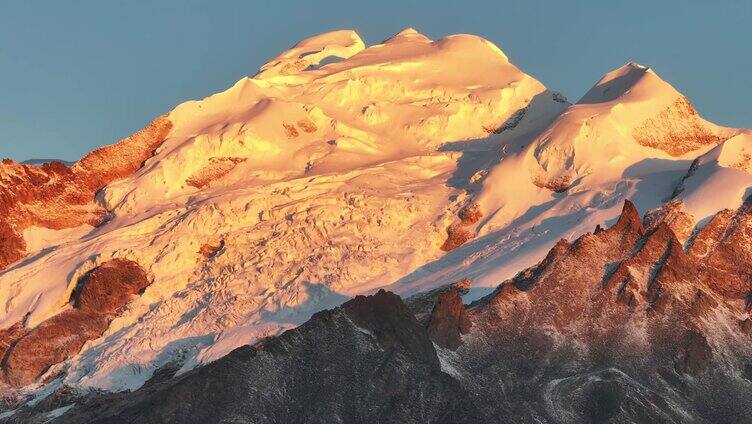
(339, 169)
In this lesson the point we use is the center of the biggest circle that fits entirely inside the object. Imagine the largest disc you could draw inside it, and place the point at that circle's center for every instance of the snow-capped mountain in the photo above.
(311, 181)
(335, 171)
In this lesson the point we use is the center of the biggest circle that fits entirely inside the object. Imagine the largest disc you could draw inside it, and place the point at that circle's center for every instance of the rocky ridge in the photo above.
(340, 169)
(57, 196)
(620, 325)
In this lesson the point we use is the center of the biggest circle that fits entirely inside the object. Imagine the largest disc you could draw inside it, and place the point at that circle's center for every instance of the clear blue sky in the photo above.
(78, 74)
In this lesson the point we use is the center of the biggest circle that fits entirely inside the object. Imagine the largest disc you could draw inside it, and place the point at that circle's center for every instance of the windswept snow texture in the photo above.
(338, 169)
(632, 136)
(334, 171)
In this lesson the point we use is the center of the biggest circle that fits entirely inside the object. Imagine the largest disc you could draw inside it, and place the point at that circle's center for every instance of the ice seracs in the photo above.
(319, 178)
(384, 103)
(339, 169)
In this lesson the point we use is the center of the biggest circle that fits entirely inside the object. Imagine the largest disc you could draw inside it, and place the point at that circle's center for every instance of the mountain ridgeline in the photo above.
(415, 231)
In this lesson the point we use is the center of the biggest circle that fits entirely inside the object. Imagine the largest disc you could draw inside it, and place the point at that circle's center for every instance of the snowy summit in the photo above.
(337, 170)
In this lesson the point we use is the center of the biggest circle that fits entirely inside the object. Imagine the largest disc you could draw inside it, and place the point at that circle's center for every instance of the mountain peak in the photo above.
(407, 31)
(406, 34)
(621, 81)
(339, 170)
(634, 65)
(312, 51)
(325, 109)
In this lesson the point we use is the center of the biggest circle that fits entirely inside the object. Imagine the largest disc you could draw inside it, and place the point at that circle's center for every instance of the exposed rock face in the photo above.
(710, 234)
(100, 295)
(470, 214)
(557, 184)
(618, 326)
(676, 130)
(723, 245)
(57, 196)
(368, 361)
(108, 287)
(214, 170)
(627, 302)
(8, 336)
(392, 323)
(449, 320)
(422, 304)
(50, 343)
(459, 233)
(695, 354)
(673, 215)
(12, 245)
(208, 250)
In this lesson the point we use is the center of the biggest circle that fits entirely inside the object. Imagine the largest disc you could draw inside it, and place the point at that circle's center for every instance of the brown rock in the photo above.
(676, 130)
(49, 343)
(694, 355)
(215, 169)
(108, 287)
(557, 184)
(463, 286)
(710, 234)
(209, 250)
(9, 335)
(12, 244)
(307, 126)
(449, 319)
(746, 326)
(99, 296)
(457, 235)
(673, 215)
(727, 253)
(618, 275)
(56, 196)
(629, 221)
(702, 304)
(470, 214)
(290, 130)
(119, 160)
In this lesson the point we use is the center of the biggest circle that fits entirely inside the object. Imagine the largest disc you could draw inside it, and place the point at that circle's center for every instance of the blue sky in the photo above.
(78, 74)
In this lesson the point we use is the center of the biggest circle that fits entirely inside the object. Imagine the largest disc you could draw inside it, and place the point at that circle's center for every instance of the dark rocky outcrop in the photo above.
(449, 320)
(694, 354)
(368, 361)
(618, 326)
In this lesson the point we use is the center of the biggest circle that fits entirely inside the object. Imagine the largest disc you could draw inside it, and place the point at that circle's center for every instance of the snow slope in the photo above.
(338, 169)
(632, 136)
(724, 175)
(325, 175)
